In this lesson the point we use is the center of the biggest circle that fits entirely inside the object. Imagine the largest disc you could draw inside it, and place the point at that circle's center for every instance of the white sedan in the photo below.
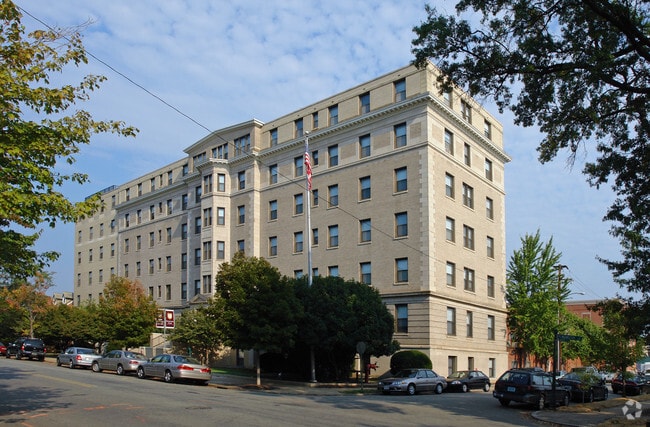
(74, 357)
(171, 367)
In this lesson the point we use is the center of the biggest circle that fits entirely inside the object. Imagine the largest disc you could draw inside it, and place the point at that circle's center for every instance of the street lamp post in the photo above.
(556, 341)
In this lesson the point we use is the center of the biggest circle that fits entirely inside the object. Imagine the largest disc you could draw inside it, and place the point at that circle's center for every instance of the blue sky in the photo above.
(224, 62)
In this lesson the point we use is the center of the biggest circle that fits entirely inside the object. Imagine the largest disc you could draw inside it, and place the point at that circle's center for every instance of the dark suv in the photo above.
(532, 386)
(31, 348)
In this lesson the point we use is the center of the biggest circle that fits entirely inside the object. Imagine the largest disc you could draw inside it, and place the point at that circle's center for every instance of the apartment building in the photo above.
(407, 196)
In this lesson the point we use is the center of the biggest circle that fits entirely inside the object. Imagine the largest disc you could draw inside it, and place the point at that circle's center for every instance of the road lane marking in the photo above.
(77, 383)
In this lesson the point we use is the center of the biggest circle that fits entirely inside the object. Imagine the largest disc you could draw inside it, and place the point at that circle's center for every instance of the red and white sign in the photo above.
(165, 319)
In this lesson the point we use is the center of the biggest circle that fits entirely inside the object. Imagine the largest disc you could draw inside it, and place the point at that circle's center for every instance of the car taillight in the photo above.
(206, 370)
(78, 357)
(184, 368)
(133, 362)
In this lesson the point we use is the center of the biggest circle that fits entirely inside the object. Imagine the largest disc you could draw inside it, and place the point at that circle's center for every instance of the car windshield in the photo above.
(459, 375)
(185, 359)
(138, 356)
(84, 351)
(406, 374)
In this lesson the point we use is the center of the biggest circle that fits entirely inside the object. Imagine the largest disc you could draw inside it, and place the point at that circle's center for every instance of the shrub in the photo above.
(409, 359)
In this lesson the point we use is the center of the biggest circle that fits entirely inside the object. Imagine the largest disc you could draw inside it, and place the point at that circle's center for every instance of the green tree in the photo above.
(31, 302)
(591, 349)
(579, 70)
(198, 331)
(36, 134)
(259, 308)
(534, 294)
(126, 315)
(338, 314)
(63, 325)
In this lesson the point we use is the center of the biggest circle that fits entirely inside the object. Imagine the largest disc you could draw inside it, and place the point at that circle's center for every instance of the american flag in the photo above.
(308, 168)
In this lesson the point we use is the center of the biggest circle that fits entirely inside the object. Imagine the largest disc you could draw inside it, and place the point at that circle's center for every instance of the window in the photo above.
(101, 230)
(126, 220)
(152, 239)
(298, 128)
(314, 158)
(168, 263)
(113, 249)
(400, 135)
(298, 163)
(365, 230)
(197, 225)
(364, 146)
(452, 363)
(90, 233)
(101, 274)
(169, 234)
(314, 120)
(365, 273)
(221, 216)
(492, 367)
(314, 236)
(139, 189)
(241, 214)
(490, 286)
(490, 328)
(467, 155)
(402, 318)
(401, 180)
(333, 154)
(314, 194)
(364, 103)
(468, 279)
(273, 246)
(101, 252)
(490, 247)
(487, 129)
(184, 202)
(221, 182)
(197, 287)
(333, 113)
(333, 195)
(447, 98)
(197, 194)
(207, 251)
(151, 266)
(449, 185)
(197, 256)
(400, 90)
(184, 231)
(90, 274)
(451, 274)
(297, 204)
(138, 243)
(450, 229)
(401, 270)
(468, 196)
(207, 284)
(273, 174)
(183, 291)
(170, 176)
(273, 210)
(401, 224)
(364, 188)
(449, 142)
(488, 169)
(242, 144)
(241, 178)
(127, 192)
(126, 249)
(451, 321)
(489, 208)
(168, 292)
(207, 184)
(184, 261)
(221, 249)
(274, 137)
(468, 237)
(332, 236)
(469, 321)
(112, 226)
(207, 217)
(466, 111)
(297, 242)
(186, 170)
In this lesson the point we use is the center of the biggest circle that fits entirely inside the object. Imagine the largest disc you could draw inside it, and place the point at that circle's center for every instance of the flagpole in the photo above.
(308, 176)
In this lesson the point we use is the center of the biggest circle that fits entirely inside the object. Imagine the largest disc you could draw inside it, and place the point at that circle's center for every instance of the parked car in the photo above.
(530, 385)
(413, 381)
(585, 387)
(3, 349)
(589, 370)
(609, 376)
(119, 361)
(634, 384)
(31, 348)
(171, 367)
(467, 380)
(74, 357)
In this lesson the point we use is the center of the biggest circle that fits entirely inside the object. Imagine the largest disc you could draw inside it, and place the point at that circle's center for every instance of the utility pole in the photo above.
(556, 341)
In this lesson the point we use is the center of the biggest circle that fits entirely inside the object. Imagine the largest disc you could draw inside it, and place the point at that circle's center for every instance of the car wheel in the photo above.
(486, 387)
(120, 370)
(566, 399)
(438, 389)
(71, 366)
(504, 402)
(58, 362)
(541, 402)
(169, 378)
(464, 388)
(96, 367)
(18, 356)
(141, 374)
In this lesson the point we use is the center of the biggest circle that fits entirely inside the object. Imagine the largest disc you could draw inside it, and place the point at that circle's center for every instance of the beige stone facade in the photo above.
(407, 195)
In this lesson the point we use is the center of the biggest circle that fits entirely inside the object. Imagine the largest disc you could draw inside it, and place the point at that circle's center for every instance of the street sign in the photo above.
(562, 337)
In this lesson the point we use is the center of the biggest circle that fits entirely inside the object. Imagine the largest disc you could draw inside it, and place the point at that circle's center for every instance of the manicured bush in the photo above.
(409, 359)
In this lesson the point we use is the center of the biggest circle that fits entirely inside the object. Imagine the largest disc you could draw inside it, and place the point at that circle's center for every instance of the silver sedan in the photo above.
(120, 361)
(73, 357)
(171, 367)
